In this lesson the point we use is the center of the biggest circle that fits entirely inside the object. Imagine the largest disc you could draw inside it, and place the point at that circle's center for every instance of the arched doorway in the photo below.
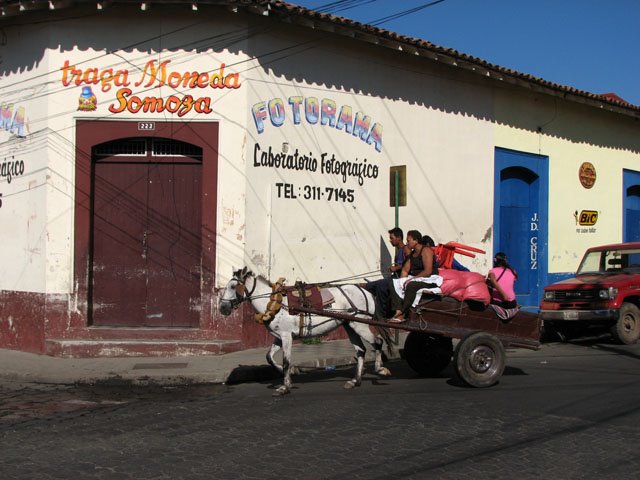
(631, 207)
(145, 235)
(145, 222)
(520, 219)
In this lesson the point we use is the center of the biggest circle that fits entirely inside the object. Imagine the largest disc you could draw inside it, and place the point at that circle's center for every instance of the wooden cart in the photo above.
(479, 356)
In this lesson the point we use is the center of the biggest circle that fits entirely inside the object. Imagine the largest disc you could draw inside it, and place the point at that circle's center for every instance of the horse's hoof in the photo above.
(384, 372)
(351, 384)
(294, 371)
(280, 391)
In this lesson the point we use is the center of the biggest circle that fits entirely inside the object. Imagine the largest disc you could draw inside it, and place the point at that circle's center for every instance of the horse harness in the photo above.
(314, 297)
(300, 295)
(241, 290)
(275, 302)
(275, 299)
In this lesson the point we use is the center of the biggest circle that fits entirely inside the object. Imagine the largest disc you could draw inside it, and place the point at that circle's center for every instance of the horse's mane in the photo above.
(237, 274)
(260, 278)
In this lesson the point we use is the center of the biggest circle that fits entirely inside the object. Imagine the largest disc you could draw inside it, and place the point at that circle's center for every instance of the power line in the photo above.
(340, 5)
(224, 39)
(349, 7)
(262, 59)
(220, 39)
(404, 13)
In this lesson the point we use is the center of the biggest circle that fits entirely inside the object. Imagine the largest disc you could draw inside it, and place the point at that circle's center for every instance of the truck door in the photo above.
(631, 207)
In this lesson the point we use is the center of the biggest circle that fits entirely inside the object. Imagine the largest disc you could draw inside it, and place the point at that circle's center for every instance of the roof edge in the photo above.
(304, 17)
(414, 46)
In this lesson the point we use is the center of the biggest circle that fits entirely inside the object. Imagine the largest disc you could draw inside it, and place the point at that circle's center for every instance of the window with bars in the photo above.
(147, 147)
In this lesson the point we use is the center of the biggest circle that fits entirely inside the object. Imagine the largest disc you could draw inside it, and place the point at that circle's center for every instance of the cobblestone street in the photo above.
(567, 412)
(26, 402)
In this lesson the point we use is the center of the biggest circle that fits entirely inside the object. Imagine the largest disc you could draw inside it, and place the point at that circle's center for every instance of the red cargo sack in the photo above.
(464, 286)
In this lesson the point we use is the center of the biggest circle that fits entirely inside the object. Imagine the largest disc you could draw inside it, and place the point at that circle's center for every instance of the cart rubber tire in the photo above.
(479, 359)
(427, 354)
(626, 330)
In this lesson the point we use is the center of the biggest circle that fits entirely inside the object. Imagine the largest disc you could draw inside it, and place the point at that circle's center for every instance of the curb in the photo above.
(233, 368)
(239, 374)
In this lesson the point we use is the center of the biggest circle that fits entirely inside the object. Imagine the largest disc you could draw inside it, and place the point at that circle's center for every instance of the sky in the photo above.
(591, 45)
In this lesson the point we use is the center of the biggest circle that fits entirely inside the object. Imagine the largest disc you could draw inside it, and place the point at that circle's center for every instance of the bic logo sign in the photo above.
(586, 217)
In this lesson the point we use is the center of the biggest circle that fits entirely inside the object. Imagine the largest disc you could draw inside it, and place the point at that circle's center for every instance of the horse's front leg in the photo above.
(287, 343)
(275, 348)
(359, 347)
(379, 367)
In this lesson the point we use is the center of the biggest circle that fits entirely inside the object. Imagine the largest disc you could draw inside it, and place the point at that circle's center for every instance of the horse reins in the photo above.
(243, 295)
(241, 290)
(353, 308)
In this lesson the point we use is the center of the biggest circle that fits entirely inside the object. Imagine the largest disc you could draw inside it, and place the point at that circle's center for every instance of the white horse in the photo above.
(244, 285)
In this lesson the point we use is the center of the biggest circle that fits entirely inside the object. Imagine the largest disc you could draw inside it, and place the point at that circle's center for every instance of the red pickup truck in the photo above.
(604, 292)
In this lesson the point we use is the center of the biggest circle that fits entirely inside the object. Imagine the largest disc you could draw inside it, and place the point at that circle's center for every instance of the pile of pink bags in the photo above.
(464, 286)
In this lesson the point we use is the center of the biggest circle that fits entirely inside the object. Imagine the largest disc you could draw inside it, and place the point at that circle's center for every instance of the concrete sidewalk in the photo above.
(237, 367)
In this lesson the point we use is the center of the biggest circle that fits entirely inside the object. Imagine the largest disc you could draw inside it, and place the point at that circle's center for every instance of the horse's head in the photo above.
(235, 292)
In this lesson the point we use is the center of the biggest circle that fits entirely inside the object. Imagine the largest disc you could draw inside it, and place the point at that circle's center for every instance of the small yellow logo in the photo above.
(586, 217)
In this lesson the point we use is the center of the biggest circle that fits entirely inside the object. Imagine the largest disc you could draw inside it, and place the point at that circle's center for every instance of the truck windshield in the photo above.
(610, 261)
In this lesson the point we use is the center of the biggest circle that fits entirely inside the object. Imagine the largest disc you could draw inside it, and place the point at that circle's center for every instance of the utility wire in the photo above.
(340, 5)
(262, 59)
(349, 7)
(404, 13)
(223, 39)
(220, 40)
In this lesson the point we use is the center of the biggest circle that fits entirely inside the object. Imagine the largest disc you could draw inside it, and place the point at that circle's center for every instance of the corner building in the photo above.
(148, 148)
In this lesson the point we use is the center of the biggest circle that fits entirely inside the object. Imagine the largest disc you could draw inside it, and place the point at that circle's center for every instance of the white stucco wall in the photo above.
(38, 253)
(24, 165)
(569, 135)
(441, 123)
(23, 217)
(444, 148)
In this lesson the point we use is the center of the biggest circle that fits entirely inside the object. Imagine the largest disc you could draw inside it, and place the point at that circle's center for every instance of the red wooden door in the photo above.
(146, 237)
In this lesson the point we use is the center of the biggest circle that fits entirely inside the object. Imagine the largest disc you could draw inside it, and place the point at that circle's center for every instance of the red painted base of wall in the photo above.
(53, 325)
(22, 321)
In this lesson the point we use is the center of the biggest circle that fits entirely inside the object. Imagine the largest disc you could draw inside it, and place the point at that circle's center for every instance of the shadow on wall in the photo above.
(385, 258)
(291, 53)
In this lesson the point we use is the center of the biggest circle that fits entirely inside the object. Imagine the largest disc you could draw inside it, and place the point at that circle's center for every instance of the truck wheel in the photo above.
(479, 359)
(427, 354)
(627, 329)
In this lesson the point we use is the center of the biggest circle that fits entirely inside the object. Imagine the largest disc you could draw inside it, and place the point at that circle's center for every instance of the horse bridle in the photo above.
(241, 289)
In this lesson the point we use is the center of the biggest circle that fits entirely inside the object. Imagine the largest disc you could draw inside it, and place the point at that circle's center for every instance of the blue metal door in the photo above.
(631, 200)
(520, 219)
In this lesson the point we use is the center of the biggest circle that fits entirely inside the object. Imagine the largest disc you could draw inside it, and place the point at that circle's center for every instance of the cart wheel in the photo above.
(479, 359)
(627, 329)
(427, 354)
